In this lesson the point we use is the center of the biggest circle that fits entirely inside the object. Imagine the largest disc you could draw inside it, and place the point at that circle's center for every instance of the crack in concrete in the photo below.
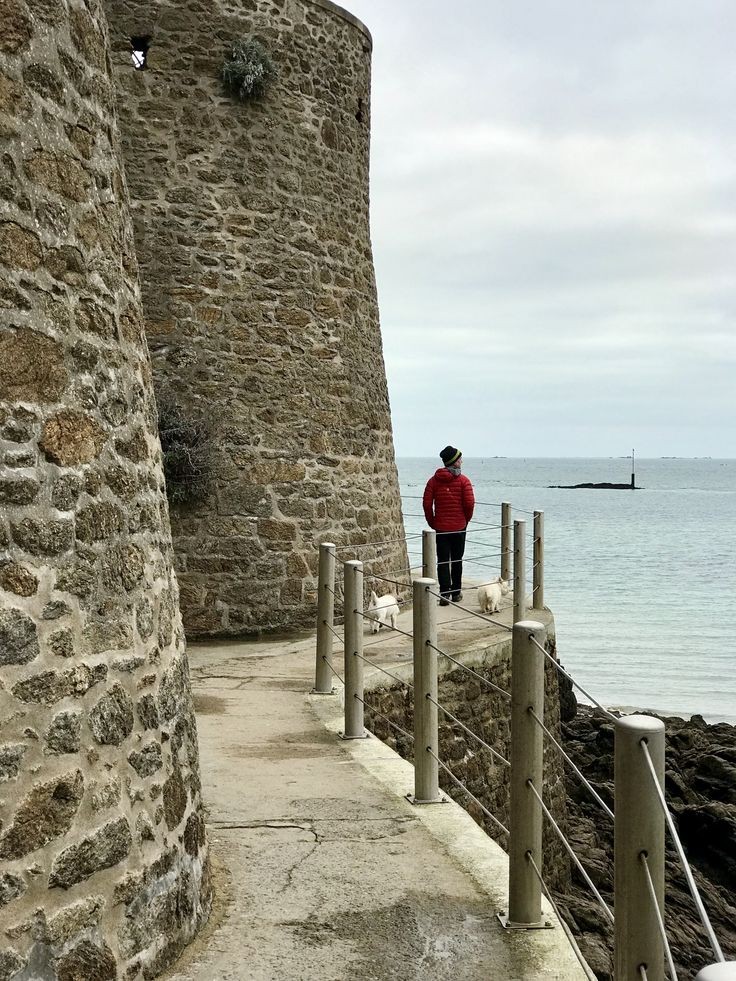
(309, 822)
(291, 872)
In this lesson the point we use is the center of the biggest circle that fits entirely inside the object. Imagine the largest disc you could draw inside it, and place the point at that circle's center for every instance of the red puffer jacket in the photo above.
(448, 501)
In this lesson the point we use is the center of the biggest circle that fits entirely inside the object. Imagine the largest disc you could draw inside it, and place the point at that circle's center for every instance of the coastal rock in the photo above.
(699, 787)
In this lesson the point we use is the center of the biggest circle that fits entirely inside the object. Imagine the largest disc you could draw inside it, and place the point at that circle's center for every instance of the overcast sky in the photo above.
(554, 224)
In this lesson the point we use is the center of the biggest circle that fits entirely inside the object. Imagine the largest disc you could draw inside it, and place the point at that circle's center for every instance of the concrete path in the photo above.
(324, 871)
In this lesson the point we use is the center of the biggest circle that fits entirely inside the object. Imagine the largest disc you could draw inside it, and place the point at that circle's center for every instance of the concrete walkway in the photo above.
(323, 870)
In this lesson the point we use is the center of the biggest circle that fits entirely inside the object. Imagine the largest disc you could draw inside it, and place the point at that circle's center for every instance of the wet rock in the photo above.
(698, 782)
(101, 850)
(18, 637)
(111, 719)
(46, 813)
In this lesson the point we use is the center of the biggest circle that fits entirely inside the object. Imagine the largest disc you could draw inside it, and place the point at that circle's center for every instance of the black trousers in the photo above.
(450, 551)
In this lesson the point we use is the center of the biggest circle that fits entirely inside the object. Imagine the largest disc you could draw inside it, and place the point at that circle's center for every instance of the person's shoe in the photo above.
(456, 597)
(444, 602)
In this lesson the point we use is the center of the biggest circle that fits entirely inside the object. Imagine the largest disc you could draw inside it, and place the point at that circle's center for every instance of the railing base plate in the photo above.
(438, 800)
(341, 735)
(313, 691)
(507, 924)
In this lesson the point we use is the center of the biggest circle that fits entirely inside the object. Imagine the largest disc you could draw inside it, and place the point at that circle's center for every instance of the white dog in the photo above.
(491, 593)
(384, 611)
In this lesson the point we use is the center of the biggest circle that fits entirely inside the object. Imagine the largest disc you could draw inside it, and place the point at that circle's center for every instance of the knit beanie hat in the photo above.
(450, 455)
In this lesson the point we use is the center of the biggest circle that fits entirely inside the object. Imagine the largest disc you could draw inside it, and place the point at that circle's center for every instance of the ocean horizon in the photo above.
(641, 583)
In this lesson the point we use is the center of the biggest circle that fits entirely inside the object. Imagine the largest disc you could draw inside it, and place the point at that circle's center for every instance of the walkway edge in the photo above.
(462, 839)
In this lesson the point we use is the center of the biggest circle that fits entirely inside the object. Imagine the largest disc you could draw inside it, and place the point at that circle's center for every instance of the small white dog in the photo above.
(383, 611)
(491, 593)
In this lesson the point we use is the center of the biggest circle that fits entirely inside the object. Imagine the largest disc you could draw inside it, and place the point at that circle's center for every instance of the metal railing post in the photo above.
(506, 542)
(527, 755)
(519, 570)
(724, 971)
(429, 554)
(638, 830)
(325, 619)
(354, 728)
(538, 570)
(426, 742)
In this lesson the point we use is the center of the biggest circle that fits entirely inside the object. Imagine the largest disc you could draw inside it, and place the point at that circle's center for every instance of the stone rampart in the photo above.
(103, 860)
(252, 233)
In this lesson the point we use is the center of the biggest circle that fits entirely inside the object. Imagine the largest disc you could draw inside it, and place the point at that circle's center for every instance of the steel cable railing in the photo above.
(481, 616)
(470, 732)
(398, 630)
(524, 571)
(384, 717)
(339, 678)
(390, 541)
(378, 667)
(332, 630)
(571, 851)
(570, 678)
(485, 681)
(465, 790)
(694, 892)
(566, 929)
(583, 779)
(658, 915)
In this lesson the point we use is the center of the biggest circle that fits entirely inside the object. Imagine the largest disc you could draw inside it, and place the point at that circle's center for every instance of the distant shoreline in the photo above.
(715, 720)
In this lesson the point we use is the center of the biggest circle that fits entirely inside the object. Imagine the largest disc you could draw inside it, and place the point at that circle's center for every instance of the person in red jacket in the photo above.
(448, 507)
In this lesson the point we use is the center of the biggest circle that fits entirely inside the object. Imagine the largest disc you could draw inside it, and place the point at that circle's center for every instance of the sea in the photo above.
(642, 583)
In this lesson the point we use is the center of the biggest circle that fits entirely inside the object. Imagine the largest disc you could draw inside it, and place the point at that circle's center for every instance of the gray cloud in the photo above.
(554, 224)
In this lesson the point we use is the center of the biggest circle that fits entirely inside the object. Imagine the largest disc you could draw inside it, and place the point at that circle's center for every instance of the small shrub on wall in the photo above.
(249, 70)
(189, 453)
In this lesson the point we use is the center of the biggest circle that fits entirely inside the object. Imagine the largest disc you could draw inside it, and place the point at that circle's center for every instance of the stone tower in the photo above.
(103, 861)
(252, 234)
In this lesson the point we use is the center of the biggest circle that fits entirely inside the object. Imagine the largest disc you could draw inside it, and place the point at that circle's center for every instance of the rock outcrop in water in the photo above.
(700, 785)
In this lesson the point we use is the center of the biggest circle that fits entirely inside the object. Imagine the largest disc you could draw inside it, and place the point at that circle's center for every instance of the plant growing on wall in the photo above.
(189, 454)
(249, 70)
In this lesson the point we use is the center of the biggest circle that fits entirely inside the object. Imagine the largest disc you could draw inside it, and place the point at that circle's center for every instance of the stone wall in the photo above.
(103, 860)
(252, 232)
(487, 713)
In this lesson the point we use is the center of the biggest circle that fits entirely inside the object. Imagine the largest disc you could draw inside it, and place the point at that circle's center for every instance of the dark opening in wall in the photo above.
(139, 54)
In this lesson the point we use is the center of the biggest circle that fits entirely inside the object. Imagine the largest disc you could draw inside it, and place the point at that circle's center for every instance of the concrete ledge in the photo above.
(549, 953)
